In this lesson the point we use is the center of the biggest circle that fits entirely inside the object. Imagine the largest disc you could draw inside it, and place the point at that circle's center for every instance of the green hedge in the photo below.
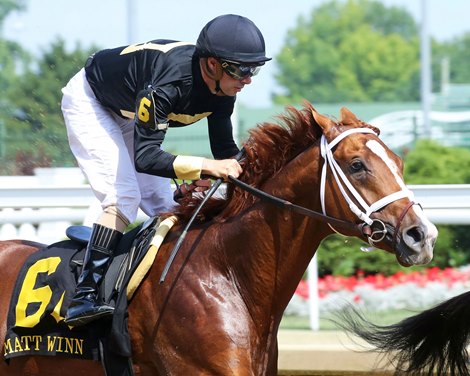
(339, 255)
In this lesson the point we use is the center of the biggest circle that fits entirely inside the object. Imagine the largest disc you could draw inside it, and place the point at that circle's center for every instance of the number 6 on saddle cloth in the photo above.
(45, 287)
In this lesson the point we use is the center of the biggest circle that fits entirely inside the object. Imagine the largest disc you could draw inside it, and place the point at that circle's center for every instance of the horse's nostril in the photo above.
(416, 234)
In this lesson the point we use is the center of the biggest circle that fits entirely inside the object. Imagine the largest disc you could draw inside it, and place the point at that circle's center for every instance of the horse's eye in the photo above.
(356, 166)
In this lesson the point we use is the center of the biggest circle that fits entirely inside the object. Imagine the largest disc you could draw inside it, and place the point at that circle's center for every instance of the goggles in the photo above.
(239, 71)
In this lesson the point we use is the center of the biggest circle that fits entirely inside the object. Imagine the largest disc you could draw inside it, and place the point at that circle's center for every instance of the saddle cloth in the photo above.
(45, 287)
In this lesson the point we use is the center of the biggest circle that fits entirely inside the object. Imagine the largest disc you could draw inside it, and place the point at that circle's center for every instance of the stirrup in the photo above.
(87, 316)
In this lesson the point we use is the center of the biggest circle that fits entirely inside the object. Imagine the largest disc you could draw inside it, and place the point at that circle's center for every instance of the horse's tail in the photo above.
(435, 339)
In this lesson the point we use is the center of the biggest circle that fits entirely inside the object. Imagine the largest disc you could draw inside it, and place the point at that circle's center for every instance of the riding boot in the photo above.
(84, 306)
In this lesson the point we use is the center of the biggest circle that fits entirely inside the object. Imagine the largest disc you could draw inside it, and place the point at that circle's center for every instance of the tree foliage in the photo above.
(358, 50)
(32, 131)
(8, 6)
(13, 59)
(431, 163)
(35, 127)
(457, 51)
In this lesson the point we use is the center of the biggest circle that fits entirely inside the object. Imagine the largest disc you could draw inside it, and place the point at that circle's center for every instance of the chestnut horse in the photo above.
(219, 309)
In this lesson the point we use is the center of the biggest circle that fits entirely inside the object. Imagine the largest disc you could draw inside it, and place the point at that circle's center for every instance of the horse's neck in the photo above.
(279, 246)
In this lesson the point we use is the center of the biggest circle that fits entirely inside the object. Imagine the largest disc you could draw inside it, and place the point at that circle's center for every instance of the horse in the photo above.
(431, 342)
(219, 309)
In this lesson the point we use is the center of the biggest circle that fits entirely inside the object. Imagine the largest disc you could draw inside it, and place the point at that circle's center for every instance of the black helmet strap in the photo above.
(217, 86)
(215, 75)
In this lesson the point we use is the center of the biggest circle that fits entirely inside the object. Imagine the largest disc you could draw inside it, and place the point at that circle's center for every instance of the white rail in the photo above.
(79, 196)
(42, 213)
(445, 203)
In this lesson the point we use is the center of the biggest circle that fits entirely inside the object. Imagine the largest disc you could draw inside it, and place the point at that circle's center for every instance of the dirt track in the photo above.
(326, 353)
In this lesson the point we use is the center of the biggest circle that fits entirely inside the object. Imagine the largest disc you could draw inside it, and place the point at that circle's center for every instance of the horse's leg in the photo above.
(273, 354)
(207, 335)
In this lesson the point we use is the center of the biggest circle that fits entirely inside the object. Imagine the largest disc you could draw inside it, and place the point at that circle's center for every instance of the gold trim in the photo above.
(180, 118)
(163, 228)
(188, 167)
(187, 119)
(127, 114)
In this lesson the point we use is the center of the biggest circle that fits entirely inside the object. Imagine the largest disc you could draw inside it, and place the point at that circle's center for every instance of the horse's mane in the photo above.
(268, 148)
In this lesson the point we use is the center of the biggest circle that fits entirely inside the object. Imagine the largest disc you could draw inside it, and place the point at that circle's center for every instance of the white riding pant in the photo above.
(103, 144)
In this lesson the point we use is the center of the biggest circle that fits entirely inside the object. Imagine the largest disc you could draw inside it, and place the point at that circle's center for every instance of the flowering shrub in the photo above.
(413, 290)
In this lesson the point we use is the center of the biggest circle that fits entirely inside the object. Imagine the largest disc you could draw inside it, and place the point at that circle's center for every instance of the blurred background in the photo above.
(402, 65)
(364, 54)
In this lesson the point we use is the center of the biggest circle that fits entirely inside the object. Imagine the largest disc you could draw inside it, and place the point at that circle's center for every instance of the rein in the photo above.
(373, 229)
(279, 202)
(366, 228)
(208, 195)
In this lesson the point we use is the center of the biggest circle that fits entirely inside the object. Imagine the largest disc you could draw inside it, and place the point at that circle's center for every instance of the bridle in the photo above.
(373, 235)
(366, 228)
(373, 229)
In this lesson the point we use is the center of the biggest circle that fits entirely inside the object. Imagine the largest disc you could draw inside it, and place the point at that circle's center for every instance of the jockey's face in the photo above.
(230, 86)
(230, 83)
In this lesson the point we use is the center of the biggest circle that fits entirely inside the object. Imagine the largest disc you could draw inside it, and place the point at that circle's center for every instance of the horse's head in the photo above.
(365, 178)
(361, 183)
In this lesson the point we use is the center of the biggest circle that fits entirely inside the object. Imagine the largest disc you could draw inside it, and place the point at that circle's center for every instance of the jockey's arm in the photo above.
(149, 133)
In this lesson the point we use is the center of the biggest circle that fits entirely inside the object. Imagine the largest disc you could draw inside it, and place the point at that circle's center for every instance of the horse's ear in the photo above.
(325, 123)
(347, 117)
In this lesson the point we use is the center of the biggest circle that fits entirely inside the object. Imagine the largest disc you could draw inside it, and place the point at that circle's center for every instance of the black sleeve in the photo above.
(221, 136)
(149, 132)
(148, 155)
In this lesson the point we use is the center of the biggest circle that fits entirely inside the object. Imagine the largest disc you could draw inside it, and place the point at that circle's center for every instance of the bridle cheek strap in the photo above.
(342, 181)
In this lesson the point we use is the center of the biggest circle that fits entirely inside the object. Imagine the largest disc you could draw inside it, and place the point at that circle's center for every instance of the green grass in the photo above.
(379, 318)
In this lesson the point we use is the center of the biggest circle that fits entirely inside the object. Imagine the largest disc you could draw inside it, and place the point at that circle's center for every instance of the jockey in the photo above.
(117, 110)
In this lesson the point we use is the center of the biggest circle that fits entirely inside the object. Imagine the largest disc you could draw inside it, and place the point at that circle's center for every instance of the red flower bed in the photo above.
(331, 283)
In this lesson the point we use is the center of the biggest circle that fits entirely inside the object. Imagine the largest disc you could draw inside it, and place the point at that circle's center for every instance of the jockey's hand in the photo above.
(221, 168)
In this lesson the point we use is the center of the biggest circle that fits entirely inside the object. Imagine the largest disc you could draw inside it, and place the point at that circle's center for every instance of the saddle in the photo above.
(45, 287)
